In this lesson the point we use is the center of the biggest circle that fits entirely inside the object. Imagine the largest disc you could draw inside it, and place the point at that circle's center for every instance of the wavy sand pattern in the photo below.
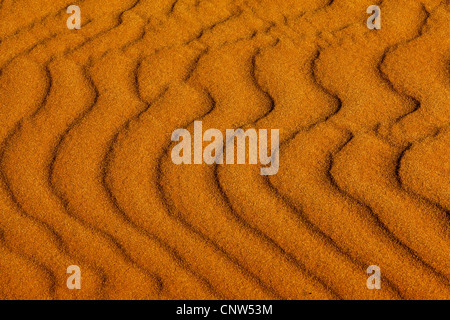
(86, 176)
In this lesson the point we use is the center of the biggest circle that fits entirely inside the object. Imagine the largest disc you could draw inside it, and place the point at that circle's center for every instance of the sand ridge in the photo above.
(86, 176)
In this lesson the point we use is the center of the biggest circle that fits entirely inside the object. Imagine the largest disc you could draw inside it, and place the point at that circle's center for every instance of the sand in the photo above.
(86, 177)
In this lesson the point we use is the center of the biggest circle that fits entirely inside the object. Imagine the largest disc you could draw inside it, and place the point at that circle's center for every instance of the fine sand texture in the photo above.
(87, 179)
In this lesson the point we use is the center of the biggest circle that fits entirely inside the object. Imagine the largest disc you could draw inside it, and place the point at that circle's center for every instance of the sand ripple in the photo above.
(86, 176)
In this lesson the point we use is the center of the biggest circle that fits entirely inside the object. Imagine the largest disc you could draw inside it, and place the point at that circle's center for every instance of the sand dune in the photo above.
(86, 176)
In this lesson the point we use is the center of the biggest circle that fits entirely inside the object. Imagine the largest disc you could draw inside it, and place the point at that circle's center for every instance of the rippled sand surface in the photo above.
(86, 177)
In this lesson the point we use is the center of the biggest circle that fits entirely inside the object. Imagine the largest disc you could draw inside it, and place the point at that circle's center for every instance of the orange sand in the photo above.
(86, 176)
